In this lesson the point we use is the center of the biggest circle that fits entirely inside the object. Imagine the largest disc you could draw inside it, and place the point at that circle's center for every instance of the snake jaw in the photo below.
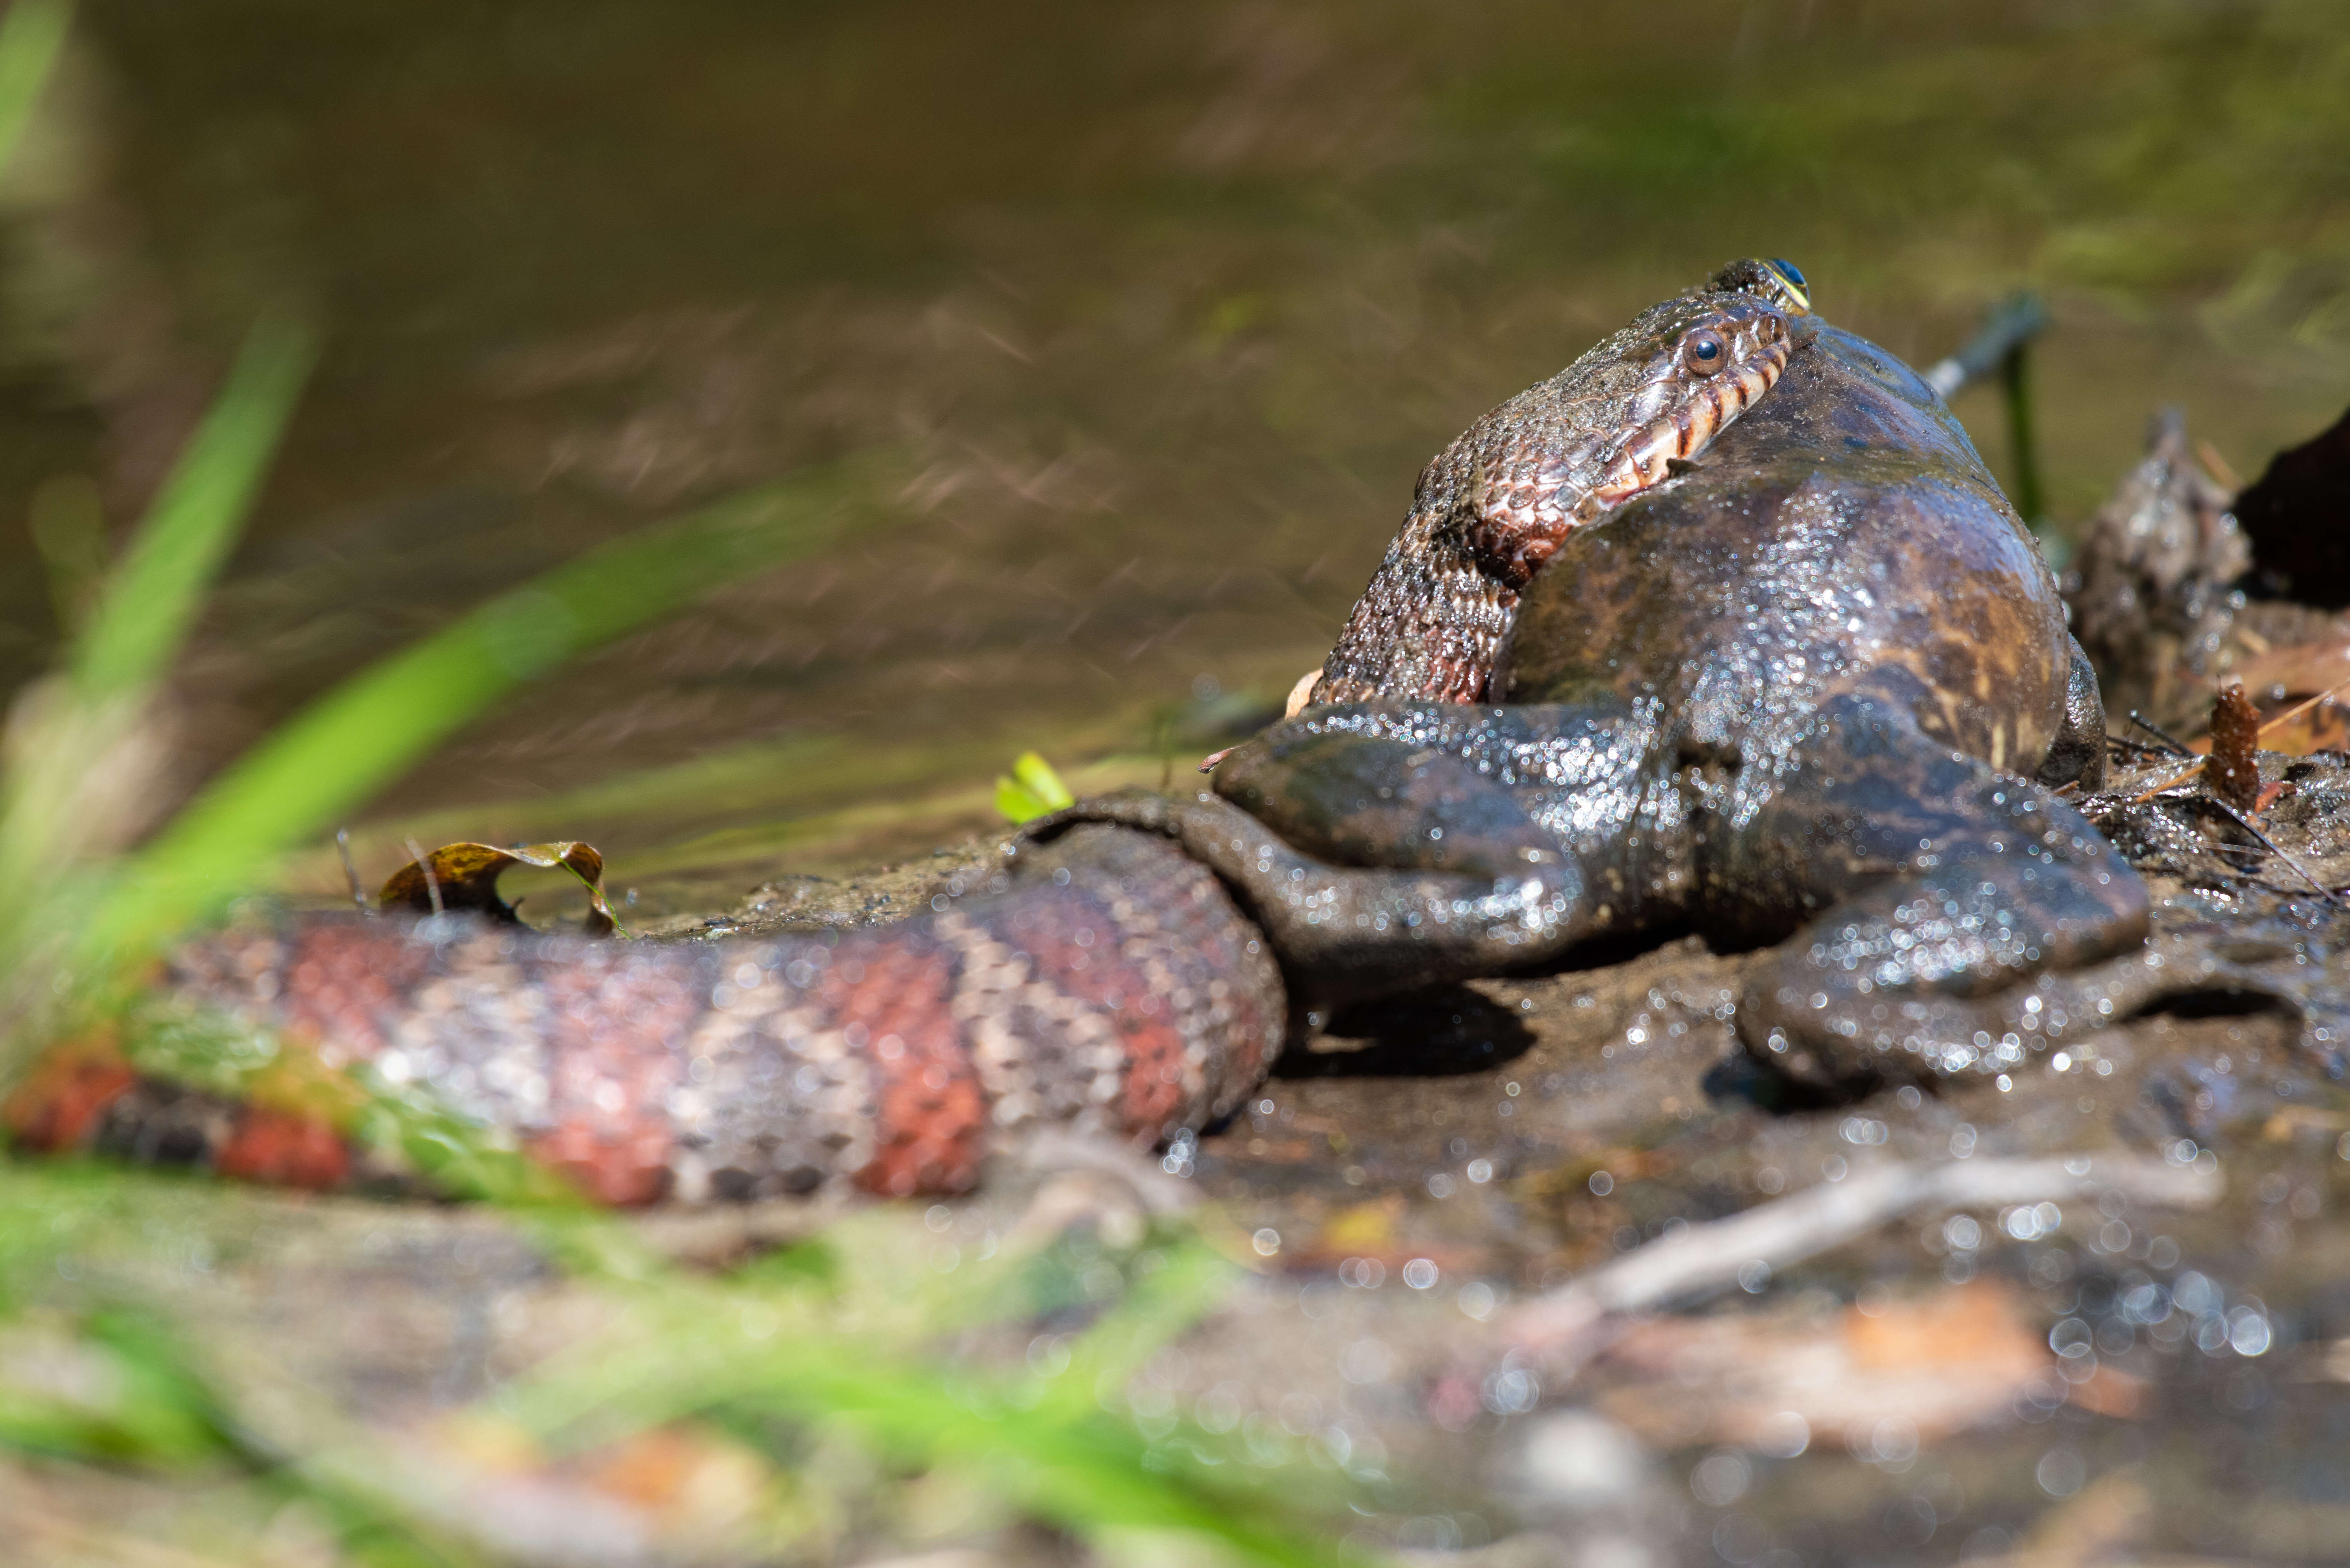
(1497, 503)
(1680, 434)
(1523, 511)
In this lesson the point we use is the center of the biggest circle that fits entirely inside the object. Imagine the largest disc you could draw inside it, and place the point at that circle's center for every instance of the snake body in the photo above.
(1116, 989)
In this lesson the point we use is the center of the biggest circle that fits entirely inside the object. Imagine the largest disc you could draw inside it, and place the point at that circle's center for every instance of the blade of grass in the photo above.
(32, 34)
(144, 610)
(164, 1414)
(1061, 1459)
(350, 742)
(82, 756)
(683, 1349)
(1088, 1476)
(1160, 1309)
(858, 1346)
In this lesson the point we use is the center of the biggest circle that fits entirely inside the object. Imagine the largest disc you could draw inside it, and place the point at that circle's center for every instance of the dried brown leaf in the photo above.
(466, 877)
(1955, 1358)
(2234, 774)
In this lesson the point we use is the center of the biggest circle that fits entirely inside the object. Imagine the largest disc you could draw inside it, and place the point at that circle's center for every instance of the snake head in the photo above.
(1565, 454)
(1497, 503)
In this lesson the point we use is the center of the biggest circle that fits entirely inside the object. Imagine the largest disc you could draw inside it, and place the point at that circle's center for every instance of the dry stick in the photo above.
(2286, 717)
(1707, 1257)
(2177, 748)
(2221, 470)
(2276, 849)
(431, 883)
(350, 867)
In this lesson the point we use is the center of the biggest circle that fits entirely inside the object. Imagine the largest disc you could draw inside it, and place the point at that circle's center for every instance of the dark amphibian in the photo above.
(1811, 688)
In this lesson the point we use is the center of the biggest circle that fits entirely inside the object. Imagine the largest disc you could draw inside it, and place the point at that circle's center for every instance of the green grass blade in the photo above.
(1160, 1309)
(1037, 775)
(1088, 1476)
(328, 759)
(32, 34)
(144, 611)
(80, 765)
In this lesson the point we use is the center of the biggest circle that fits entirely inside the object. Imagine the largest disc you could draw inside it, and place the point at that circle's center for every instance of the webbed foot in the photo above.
(1998, 1033)
(1927, 975)
(1944, 889)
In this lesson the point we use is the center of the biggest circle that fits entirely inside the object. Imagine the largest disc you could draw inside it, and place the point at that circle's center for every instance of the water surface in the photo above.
(1156, 310)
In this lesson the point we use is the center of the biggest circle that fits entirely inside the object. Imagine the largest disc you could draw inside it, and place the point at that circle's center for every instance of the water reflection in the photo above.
(1162, 309)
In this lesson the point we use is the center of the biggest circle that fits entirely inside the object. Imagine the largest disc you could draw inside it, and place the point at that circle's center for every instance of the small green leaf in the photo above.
(1043, 783)
(1016, 805)
(1031, 791)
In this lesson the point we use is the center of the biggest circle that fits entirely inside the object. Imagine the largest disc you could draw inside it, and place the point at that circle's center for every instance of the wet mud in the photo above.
(2149, 1362)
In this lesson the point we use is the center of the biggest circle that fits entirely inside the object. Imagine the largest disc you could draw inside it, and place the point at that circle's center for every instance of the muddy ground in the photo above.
(2128, 1341)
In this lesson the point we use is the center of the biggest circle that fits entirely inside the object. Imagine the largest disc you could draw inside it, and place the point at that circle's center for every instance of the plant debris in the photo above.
(2153, 588)
(466, 877)
(2234, 774)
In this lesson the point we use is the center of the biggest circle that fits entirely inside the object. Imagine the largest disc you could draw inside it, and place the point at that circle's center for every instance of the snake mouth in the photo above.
(1494, 507)
(1672, 418)
(1708, 404)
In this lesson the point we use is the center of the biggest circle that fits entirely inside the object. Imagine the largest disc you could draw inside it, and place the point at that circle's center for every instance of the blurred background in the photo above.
(1151, 314)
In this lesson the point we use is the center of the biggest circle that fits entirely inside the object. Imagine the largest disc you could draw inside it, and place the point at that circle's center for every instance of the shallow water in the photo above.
(1157, 312)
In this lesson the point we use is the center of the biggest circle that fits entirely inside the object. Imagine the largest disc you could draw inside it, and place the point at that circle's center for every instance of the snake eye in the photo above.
(1704, 352)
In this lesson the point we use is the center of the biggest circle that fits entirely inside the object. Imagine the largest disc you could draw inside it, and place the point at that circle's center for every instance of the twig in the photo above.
(2004, 330)
(431, 883)
(1708, 1258)
(2276, 849)
(2178, 747)
(2220, 467)
(2171, 783)
(2298, 708)
(350, 869)
(2290, 714)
